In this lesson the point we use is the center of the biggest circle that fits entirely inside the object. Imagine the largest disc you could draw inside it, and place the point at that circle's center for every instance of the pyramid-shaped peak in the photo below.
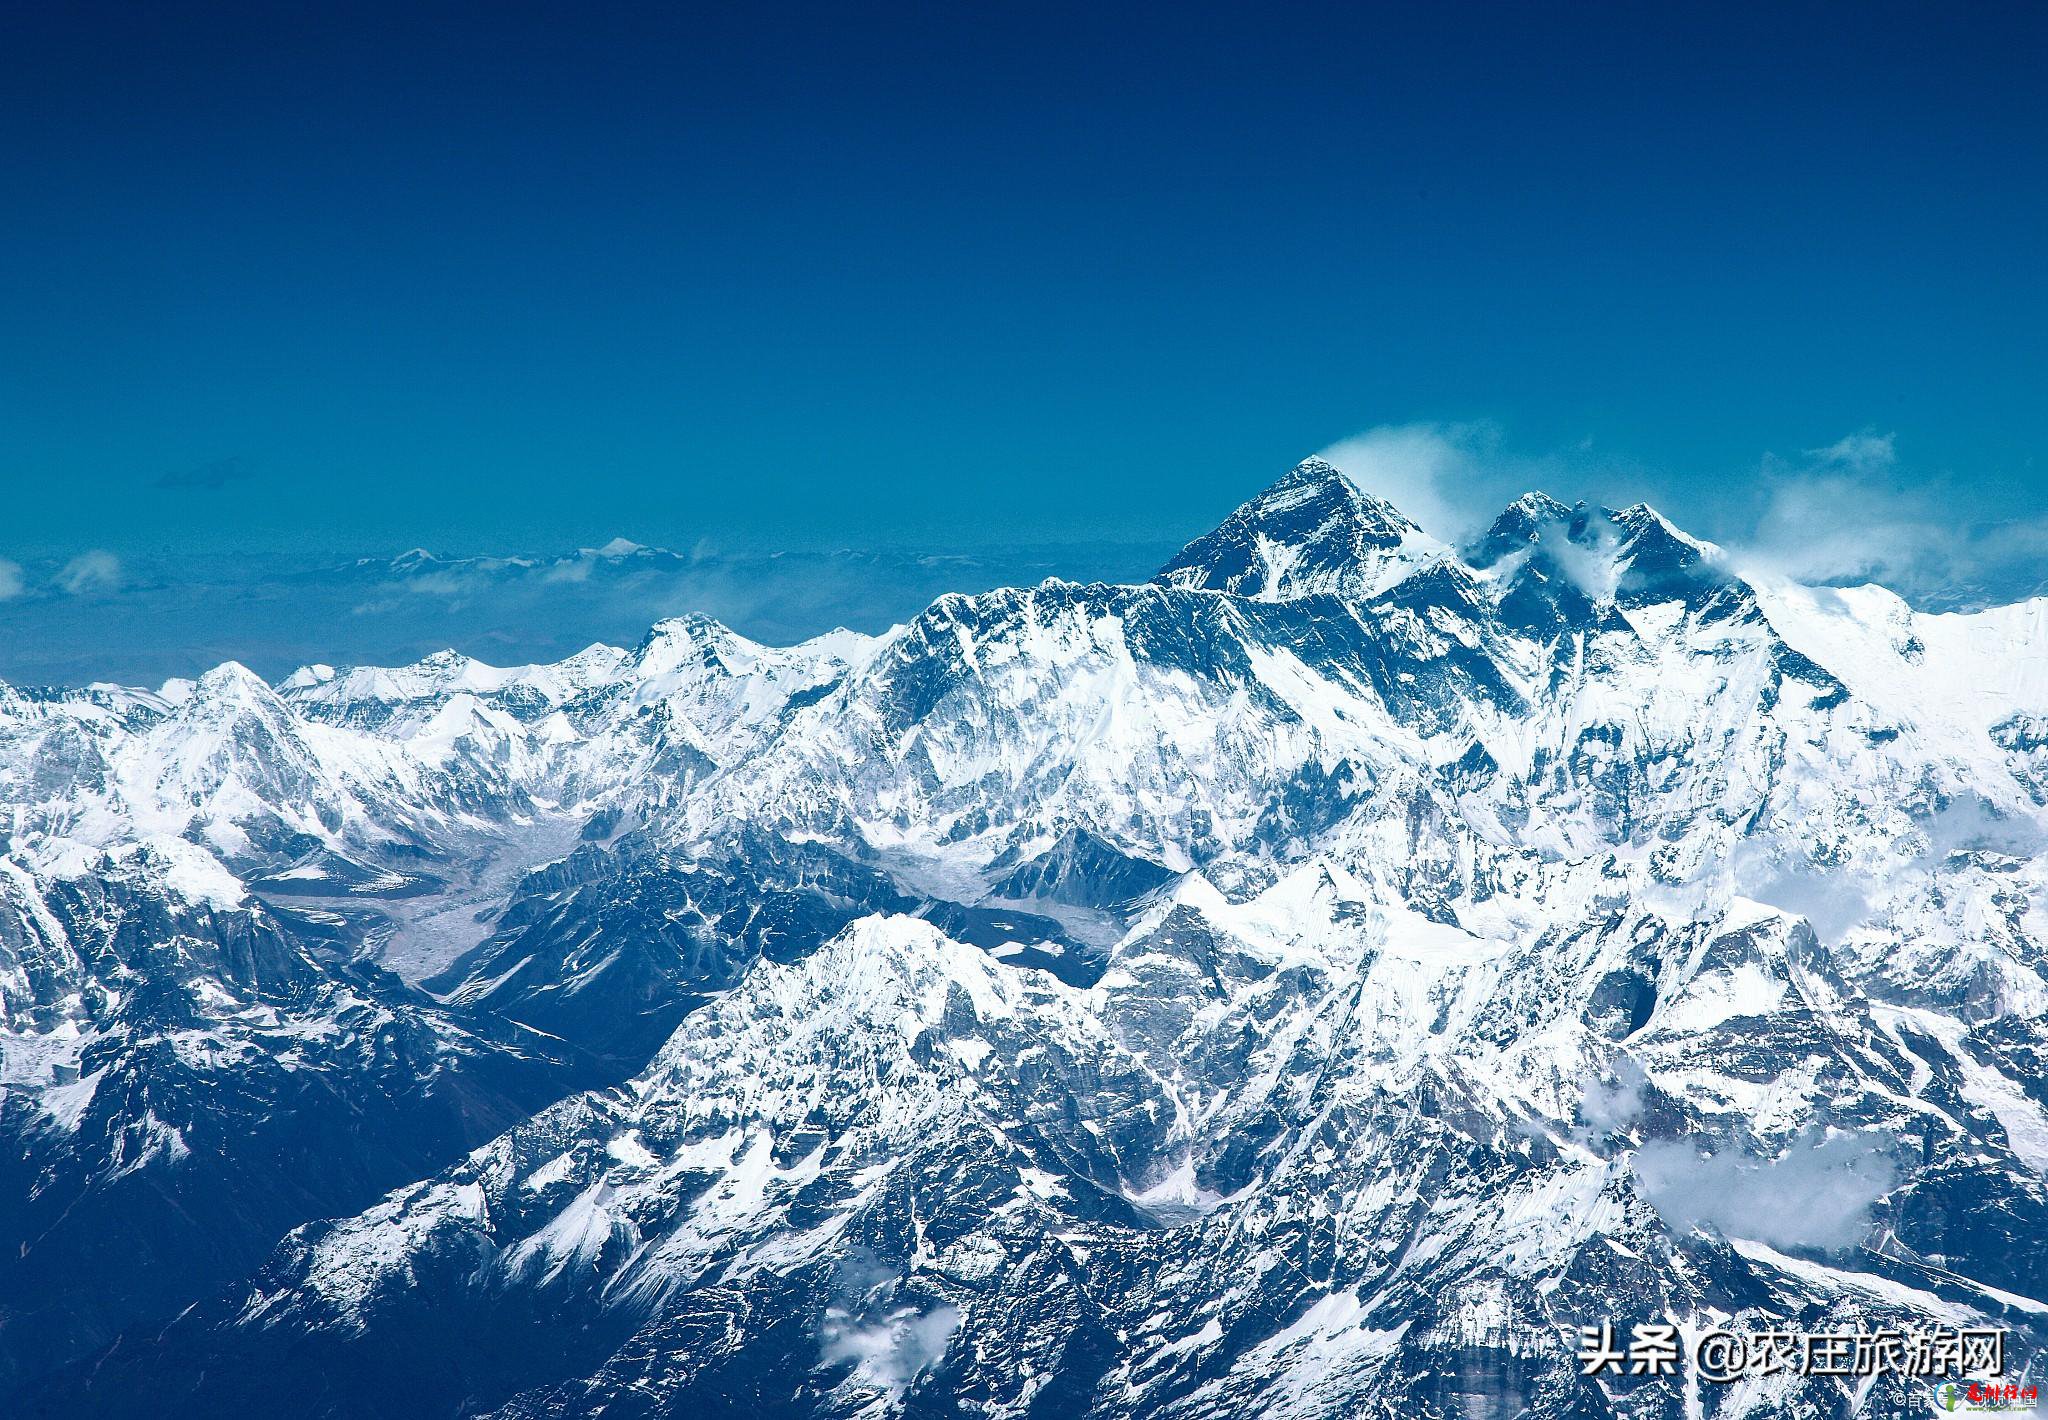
(232, 682)
(1312, 472)
(1317, 485)
(688, 628)
(1311, 532)
(1640, 520)
(689, 639)
(234, 701)
(1535, 506)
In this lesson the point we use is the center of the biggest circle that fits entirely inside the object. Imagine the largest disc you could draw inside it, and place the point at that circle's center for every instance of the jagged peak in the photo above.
(445, 659)
(1312, 472)
(1554, 566)
(1537, 503)
(1533, 508)
(1311, 531)
(1517, 526)
(1640, 520)
(690, 627)
(599, 655)
(1315, 479)
(691, 638)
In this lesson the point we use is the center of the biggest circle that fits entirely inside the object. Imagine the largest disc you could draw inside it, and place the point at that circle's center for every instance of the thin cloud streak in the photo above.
(93, 572)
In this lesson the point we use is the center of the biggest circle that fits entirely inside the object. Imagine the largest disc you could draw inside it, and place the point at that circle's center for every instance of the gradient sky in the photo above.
(367, 277)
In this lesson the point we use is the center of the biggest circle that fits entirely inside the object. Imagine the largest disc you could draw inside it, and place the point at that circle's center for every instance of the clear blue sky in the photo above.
(369, 276)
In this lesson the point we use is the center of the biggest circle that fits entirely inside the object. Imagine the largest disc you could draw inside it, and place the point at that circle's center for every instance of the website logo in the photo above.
(1986, 1397)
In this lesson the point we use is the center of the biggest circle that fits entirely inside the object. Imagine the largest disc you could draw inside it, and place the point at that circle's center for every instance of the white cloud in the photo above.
(1864, 452)
(1454, 479)
(1844, 514)
(1616, 1102)
(1830, 525)
(1833, 902)
(10, 580)
(1592, 569)
(888, 1338)
(889, 1352)
(1817, 1194)
(94, 571)
(1431, 472)
(1972, 823)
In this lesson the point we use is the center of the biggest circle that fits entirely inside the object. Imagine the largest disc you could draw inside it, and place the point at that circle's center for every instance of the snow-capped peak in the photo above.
(1312, 532)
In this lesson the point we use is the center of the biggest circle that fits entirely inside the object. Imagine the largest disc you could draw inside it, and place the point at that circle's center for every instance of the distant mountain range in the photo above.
(167, 616)
(1312, 982)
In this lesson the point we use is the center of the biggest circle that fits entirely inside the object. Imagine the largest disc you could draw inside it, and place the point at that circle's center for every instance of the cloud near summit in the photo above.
(1419, 468)
(1847, 513)
(1844, 512)
(1454, 479)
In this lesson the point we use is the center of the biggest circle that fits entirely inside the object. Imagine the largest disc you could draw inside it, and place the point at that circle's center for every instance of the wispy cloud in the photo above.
(1854, 510)
(1867, 451)
(1850, 513)
(1616, 1100)
(1454, 479)
(94, 571)
(1817, 1194)
(1449, 478)
(577, 570)
(869, 1323)
(890, 1351)
(1416, 467)
(11, 583)
(207, 476)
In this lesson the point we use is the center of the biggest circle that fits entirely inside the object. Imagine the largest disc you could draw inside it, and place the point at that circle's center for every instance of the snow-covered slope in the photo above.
(1316, 981)
(1313, 531)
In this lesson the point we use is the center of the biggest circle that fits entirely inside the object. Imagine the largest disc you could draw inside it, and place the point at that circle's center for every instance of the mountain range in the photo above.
(1314, 982)
(157, 614)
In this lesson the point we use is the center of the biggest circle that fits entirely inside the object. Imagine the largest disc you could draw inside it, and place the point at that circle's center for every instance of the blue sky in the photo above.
(742, 278)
